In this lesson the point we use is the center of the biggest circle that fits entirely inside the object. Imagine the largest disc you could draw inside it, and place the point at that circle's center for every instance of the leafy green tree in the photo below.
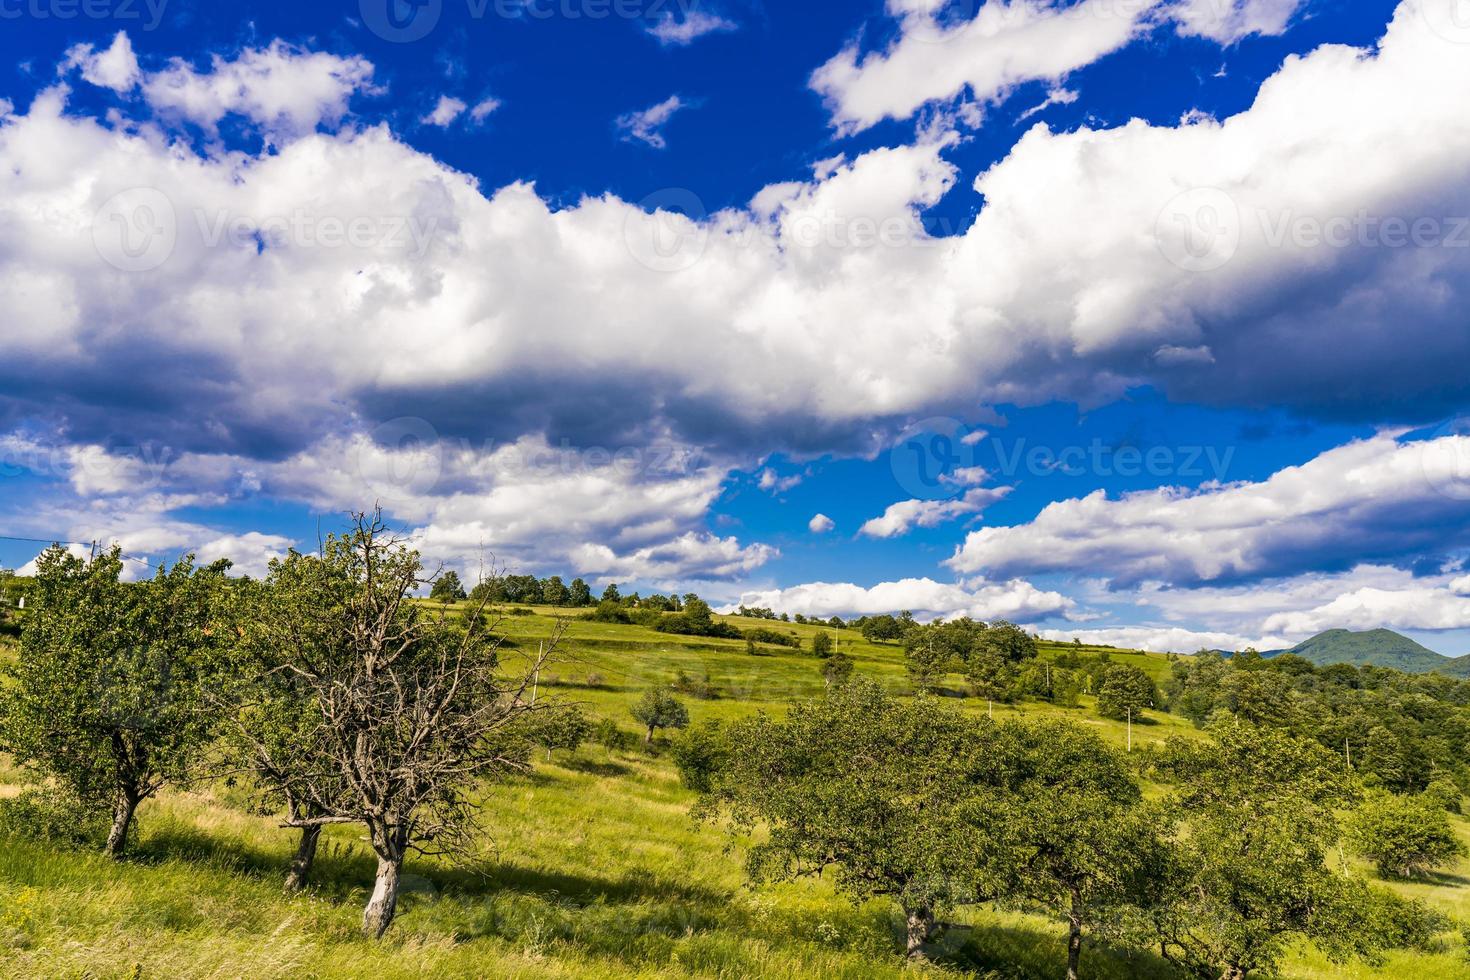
(878, 792)
(488, 590)
(1445, 794)
(447, 588)
(927, 658)
(1081, 838)
(611, 593)
(558, 726)
(554, 592)
(1405, 837)
(822, 644)
(882, 629)
(658, 708)
(1250, 875)
(837, 669)
(579, 594)
(1126, 692)
(1009, 641)
(699, 753)
(107, 695)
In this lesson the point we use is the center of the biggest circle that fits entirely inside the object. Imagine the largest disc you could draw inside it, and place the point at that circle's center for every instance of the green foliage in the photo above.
(658, 708)
(107, 695)
(882, 629)
(822, 644)
(53, 816)
(1126, 692)
(447, 588)
(1404, 837)
(699, 753)
(837, 669)
(607, 734)
(1250, 874)
(697, 620)
(773, 638)
(876, 790)
(608, 611)
(1445, 794)
(558, 726)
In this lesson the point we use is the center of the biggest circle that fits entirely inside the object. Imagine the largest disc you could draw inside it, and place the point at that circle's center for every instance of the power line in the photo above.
(79, 544)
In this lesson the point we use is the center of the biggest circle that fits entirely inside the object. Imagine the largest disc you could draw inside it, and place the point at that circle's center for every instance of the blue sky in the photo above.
(1140, 321)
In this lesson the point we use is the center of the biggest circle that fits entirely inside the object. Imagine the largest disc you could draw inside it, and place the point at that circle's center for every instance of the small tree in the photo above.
(413, 710)
(611, 593)
(563, 726)
(657, 709)
(822, 644)
(579, 594)
(837, 669)
(1405, 838)
(447, 588)
(1124, 695)
(699, 753)
(106, 697)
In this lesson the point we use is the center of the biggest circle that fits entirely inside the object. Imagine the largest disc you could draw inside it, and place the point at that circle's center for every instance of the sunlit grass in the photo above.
(592, 867)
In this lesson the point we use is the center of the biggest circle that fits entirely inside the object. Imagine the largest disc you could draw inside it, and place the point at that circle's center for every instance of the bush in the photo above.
(699, 754)
(53, 816)
(1405, 838)
(822, 645)
(773, 638)
(702, 688)
(608, 611)
(608, 735)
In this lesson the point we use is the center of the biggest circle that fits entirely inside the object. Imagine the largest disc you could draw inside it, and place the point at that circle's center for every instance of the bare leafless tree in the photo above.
(411, 710)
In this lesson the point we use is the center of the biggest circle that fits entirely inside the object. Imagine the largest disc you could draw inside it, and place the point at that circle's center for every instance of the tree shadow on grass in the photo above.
(596, 767)
(1023, 953)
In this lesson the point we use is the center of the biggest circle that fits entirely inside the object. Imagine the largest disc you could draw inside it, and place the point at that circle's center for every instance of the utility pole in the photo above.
(1130, 728)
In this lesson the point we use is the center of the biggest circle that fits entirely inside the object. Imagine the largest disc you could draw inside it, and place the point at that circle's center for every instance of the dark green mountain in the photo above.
(1381, 648)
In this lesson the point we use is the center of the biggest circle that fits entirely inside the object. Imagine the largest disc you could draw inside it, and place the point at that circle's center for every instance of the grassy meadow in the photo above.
(593, 867)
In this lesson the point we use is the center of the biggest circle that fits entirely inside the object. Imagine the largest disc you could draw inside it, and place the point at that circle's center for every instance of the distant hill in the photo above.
(1381, 648)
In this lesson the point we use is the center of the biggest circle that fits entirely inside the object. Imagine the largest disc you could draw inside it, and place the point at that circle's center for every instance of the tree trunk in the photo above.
(920, 926)
(1074, 936)
(1232, 972)
(300, 871)
(122, 820)
(648, 739)
(383, 904)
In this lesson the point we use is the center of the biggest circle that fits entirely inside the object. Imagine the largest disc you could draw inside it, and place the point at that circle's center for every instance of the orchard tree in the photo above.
(447, 588)
(107, 695)
(1081, 839)
(927, 657)
(657, 709)
(413, 709)
(1249, 875)
(837, 669)
(1404, 837)
(559, 726)
(1126, 692)
(877, 792)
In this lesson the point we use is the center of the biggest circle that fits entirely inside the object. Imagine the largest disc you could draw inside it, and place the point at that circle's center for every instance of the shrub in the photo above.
(608, 735)
(699, 754)
(1405, 838)
(702, 688)
(53, 816)
(773, 638)
(608, 611)
(822, 645)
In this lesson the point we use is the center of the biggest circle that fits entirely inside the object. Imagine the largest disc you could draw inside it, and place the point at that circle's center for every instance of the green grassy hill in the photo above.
(1381, 648)
(593, 868)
